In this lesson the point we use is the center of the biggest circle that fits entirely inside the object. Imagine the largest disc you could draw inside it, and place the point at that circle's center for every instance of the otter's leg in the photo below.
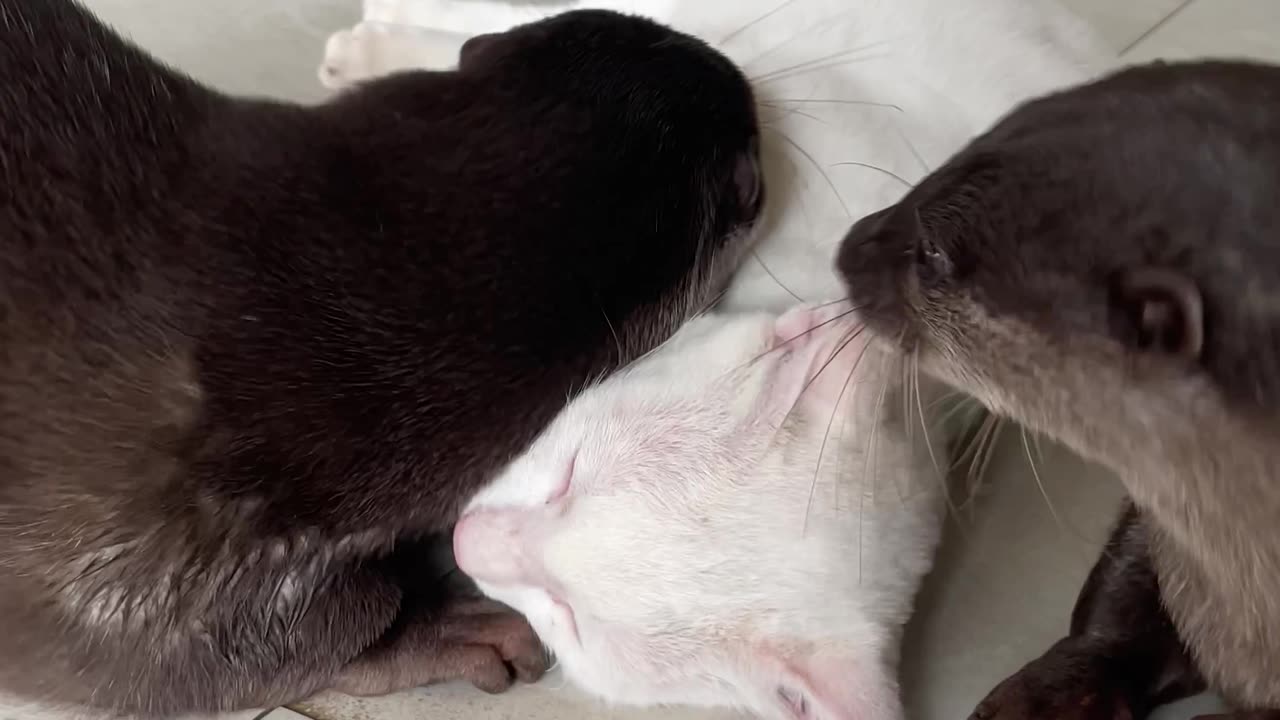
(1122, 657)
(443, 632)
(476, 641)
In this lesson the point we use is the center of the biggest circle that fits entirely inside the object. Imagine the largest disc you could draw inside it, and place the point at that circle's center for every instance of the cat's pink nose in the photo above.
(490, 547)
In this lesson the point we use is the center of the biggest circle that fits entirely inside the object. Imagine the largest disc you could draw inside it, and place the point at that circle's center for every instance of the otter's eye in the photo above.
(932, 263)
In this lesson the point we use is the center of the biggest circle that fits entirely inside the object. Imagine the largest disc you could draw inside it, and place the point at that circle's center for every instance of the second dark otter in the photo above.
(1104, 266)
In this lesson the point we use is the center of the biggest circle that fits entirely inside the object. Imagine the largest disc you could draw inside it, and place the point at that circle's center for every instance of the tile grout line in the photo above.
(1159, 24)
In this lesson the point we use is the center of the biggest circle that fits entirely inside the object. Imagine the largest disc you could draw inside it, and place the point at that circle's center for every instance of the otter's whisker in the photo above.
(819, 168)
(821, 101)
(617, 341)
(822, 449)
(782, 345)
(912, 147)
(1035, 472)
(816, 64)
(867, 458)
(978, 472)
(924, 428)
(844, 343)
(788, 112)
(877, 168)
(753, 23)
(712, 303)
(771, 274)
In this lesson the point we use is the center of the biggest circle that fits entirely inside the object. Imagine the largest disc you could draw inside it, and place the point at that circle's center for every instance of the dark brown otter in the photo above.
(254, 356)
(1104, 266)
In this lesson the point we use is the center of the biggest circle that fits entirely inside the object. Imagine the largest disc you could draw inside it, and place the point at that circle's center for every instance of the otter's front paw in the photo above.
(501, 643)
(1070, 682)
(478, 641)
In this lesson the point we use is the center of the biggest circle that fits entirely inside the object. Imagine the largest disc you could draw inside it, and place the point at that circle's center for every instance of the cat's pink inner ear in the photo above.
(828, 687)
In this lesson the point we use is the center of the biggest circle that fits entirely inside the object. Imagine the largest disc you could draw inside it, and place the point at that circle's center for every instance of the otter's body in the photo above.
(253, 357)
(1104, 266)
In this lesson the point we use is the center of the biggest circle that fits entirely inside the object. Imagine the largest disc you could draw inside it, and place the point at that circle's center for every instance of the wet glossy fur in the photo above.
(253, 356)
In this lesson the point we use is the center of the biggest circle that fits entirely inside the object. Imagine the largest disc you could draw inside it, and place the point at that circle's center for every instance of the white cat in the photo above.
(740, 519)
(708, 527)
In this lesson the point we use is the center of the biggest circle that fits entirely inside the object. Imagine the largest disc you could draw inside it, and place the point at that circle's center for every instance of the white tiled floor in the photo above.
(1009, 571)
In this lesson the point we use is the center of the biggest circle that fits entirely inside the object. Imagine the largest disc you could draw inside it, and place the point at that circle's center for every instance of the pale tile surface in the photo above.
(1010, 570)
(1121, 22)
(1223, 28)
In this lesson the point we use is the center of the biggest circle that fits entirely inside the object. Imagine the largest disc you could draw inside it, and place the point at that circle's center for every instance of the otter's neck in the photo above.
(1208, 481)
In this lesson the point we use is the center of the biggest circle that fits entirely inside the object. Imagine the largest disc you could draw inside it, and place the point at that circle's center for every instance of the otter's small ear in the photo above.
(1164, 311)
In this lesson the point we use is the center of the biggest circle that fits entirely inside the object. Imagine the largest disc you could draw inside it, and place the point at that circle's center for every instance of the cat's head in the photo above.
(689, 530)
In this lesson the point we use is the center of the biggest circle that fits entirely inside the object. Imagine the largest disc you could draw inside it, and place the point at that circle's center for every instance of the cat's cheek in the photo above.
(564, 621)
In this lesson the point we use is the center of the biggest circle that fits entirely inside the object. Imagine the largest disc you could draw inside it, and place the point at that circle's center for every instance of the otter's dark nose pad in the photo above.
(475, 46)
(748, 183)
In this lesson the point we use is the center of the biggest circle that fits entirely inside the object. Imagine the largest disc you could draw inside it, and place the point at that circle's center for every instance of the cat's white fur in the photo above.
(706, 552)
(712, 526)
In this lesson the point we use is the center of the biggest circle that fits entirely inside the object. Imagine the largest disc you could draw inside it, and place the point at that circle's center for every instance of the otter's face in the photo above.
(1082, 268)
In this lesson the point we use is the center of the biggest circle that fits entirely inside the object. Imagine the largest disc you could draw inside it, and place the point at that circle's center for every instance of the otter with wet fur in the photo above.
(254, 356)
(1103, 266)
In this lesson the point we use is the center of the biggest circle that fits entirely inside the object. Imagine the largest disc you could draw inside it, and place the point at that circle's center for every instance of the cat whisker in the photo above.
(877, 168)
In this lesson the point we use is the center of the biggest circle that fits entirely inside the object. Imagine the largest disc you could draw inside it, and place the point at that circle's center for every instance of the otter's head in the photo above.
(1103, 265)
